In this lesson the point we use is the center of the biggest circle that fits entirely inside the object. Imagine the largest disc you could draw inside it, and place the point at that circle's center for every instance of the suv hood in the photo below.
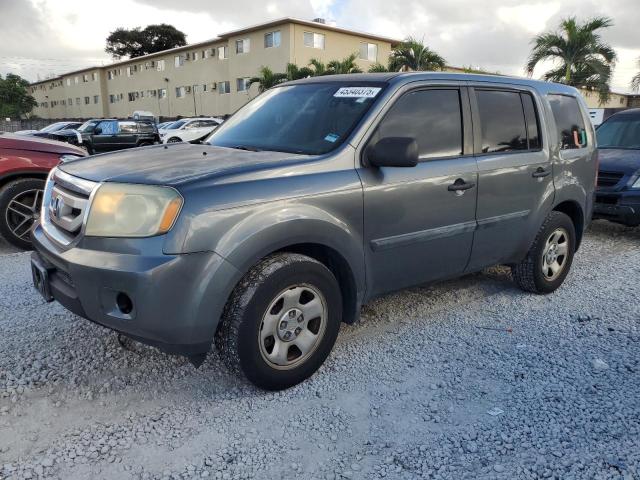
(172, 164)
(619, 160)
(38, 144)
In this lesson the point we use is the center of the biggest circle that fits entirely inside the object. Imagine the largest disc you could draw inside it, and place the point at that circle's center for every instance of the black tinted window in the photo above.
(569, 122)
(502, 119)
(146, 128)
(533, 128)
(431, 117)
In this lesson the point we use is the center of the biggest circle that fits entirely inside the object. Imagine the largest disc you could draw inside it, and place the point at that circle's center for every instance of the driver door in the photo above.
(419, 221)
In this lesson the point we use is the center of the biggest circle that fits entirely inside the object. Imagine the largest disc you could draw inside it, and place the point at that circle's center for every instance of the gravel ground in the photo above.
(471, 378)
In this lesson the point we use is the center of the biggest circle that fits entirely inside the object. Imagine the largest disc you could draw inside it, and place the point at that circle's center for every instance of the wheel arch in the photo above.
(574, 211)
(20, 174)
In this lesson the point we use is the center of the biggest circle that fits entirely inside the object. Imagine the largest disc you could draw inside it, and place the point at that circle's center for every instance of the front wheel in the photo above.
(549, 259)
(20, 203)
(281, 321)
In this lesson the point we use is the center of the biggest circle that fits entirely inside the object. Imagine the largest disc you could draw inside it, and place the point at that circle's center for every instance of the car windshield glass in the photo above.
(622, 131)
(88, 126)
(176, 125)
(309, 118)
(53, 127)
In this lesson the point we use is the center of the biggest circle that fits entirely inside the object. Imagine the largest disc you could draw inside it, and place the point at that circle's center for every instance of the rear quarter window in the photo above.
(146, 128)
(569, 122)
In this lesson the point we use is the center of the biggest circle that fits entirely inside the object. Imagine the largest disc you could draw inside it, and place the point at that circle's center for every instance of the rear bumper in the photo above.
(621, 207)
(176, 300)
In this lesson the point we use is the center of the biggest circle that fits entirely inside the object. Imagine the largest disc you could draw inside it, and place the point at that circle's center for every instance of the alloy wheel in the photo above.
(555, 254)
(22, 211)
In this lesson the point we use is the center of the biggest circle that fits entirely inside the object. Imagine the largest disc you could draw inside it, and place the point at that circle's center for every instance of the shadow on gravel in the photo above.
(605, 229)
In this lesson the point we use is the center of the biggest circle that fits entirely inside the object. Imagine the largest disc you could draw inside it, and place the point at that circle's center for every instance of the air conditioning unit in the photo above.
(187, 89)
(214, 86)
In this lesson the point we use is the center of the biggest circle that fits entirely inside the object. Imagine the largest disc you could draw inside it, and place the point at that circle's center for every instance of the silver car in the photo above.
(311, 200)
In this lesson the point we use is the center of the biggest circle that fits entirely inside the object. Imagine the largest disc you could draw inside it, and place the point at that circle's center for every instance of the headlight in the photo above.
(636, 184)
(69, 158)
(127, 210)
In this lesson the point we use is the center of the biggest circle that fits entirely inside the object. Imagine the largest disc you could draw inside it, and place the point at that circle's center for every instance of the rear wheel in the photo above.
(144, 144)
(281, 322)
(20, 203)
(549, 259)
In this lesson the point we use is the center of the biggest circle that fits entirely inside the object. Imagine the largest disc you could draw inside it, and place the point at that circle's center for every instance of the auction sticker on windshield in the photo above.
(357, 92)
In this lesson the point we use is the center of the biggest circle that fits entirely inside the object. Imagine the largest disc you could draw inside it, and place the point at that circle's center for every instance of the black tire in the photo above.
(144, 144)
(174, 140)
(529, 274)
(10, 218)
(238, 337)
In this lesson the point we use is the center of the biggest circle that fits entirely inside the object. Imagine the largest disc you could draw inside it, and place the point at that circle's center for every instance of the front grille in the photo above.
(609, 179)
(64, 206)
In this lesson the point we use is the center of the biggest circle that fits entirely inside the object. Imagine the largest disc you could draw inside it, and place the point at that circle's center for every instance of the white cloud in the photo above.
(530, 17)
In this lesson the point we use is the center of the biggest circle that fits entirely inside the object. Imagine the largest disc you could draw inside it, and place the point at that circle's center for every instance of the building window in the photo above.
(195, 56)
(68, 82)
(242, 46)
(204, 87)
(223, 52)
(162, 93)
(272, 39)
(76, 80)
(131, 96)
(242, 84)
(112, 99)
(178, 61)
(70, 102)
(180, 91)
(87, 100)
(96, 98)
(94, 76)
(206, 53)
(85, 78)
(129, 71)
(77, 100)
(160, 66)
(368, 51)
(224, 87)
(314, 40)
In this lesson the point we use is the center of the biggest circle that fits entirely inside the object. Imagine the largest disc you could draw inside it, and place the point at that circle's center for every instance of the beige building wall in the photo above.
(616, 100)
(140, 84)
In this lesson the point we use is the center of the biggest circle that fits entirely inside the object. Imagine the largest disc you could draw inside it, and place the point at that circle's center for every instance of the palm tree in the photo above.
(414, 55)
(319, 68)
(635, 81)
(378, 68)
(294, 72)
(346, 65)
(582, 59)
(267, 79)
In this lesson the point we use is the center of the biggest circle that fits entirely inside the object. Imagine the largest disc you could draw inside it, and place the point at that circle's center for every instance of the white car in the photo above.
(189, 129)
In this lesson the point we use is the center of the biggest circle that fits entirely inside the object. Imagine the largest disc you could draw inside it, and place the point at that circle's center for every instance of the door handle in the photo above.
(460, 186)
(541, 173)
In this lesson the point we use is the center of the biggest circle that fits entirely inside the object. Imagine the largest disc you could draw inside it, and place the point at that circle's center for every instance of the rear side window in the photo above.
(432, 117)
(144, 127)
(533, 125)
(108, 127)
(502, 119)
(128, 127)
(569, 122)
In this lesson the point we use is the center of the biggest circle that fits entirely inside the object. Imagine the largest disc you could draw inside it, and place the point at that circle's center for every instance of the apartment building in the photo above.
(206, 78)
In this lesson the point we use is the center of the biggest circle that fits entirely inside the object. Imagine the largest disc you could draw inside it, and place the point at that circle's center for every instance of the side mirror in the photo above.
(97, 131)
(394, 152)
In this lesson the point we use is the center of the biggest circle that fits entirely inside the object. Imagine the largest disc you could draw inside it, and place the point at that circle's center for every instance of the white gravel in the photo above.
(467, 379)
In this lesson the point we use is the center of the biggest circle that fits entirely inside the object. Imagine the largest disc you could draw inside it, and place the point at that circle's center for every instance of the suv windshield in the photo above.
(311, 118)
(621, 131)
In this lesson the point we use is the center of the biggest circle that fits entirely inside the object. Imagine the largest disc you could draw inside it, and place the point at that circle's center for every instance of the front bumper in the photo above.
(620, 207)
(176, 300)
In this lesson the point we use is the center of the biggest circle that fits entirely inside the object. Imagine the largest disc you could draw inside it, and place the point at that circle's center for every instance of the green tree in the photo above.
(268, 79)
(635, 81)
(319, 68)
(346, 65)
(378, 68)
(413, 55)
(15, 100)
(136, 42)
(295, 73)
(582, 59)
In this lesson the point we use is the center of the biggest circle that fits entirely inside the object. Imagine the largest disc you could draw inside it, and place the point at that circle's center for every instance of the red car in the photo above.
(24, 165)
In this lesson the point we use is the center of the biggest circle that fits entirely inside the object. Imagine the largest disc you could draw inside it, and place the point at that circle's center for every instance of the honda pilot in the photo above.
(311, 200)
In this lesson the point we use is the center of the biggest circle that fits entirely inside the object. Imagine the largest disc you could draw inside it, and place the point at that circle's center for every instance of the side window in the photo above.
(533, 124)
(432, 117)
(145, 127)
(502, 120)
(108, 127)
(569, 122)
(128, 127)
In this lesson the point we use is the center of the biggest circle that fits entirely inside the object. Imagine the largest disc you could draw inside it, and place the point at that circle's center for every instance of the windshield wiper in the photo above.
(247, 148)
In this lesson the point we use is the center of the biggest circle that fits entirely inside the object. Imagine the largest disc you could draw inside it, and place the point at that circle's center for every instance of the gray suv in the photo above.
(312, 199)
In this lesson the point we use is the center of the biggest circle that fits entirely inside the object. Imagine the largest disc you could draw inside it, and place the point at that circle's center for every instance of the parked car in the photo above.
(163, 125)
(618, 193)
(189, 130)
(311, 200)
(25, 163)
(104, 135)
(54, 127)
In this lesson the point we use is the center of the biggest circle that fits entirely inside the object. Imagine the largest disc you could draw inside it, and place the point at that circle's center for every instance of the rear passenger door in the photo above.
(515, 184)
(127, 134)
(419, 221)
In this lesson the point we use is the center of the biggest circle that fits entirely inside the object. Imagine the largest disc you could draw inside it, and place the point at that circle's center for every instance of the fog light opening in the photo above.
(125, 304)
